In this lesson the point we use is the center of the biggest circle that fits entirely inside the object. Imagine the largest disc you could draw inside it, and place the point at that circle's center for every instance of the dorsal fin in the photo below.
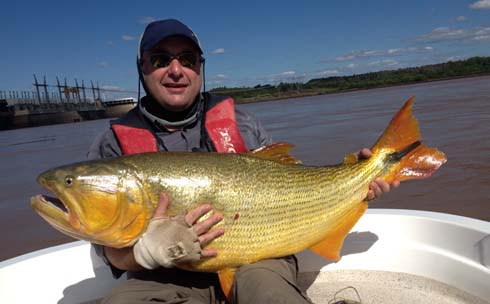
(278, 152)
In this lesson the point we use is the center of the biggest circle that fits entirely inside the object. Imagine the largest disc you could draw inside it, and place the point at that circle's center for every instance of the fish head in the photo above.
(100, 202)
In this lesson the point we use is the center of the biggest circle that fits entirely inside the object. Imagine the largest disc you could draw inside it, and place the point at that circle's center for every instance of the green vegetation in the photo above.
(474, 66)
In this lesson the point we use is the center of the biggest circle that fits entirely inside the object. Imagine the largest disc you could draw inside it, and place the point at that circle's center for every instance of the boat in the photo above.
(118, 107)
(390, 256)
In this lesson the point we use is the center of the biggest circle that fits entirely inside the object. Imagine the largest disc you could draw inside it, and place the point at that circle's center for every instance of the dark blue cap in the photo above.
(156, 31)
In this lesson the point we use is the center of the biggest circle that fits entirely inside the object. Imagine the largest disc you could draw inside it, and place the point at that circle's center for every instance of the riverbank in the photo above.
(300, 94)
(472, 67)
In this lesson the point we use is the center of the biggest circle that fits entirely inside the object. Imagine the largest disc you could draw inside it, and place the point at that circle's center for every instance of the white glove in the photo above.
(167, 242)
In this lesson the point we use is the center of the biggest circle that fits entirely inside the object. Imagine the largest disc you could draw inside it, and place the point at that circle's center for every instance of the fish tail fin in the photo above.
(413, 158)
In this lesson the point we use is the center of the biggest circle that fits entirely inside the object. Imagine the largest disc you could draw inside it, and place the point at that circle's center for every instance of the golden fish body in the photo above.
(271, 207)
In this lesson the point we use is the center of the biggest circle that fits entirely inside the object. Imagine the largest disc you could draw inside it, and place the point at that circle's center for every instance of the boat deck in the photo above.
(376, 287)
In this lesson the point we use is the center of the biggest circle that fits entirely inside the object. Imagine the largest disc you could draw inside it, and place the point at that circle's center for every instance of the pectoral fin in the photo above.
(226, 278)
(330, 246)
(350, 159)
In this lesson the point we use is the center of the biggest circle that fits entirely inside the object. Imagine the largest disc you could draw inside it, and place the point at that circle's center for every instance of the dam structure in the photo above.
(55, 104)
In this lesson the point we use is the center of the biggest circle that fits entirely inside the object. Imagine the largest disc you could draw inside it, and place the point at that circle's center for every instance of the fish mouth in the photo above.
(54, 202)
(57, 213)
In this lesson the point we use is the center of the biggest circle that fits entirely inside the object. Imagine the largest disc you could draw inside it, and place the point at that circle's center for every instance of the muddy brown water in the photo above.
(454, 116)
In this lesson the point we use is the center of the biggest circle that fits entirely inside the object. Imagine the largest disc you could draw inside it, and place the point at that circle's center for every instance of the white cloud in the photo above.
(454, 58)
(219, 77)
(103, 64)
(386, 62)
(381, 53)
(482, 4)
(328, 72)
(482, 34)
(444, 34)
(482, 38)
(111, 43)
(346, 57)
(147, 19)
(372, 53)
(127, 37)
(351, 66)
(288, 73)
(218, 51)
(359, 54)
(461, 18)
(111, 88)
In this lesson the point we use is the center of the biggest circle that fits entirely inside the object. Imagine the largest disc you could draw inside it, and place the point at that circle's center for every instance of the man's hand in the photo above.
(170, 241)
(378, 186)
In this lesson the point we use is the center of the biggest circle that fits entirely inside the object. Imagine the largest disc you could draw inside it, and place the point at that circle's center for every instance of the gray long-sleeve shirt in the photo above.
(184, 140)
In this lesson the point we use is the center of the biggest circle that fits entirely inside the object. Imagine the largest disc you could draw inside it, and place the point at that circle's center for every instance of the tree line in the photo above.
(463, 68)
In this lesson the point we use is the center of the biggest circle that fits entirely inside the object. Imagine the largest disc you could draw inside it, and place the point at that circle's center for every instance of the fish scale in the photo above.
(272, 213)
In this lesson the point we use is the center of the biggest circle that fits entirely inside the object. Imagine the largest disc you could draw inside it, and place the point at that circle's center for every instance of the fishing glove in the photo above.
(167, 242)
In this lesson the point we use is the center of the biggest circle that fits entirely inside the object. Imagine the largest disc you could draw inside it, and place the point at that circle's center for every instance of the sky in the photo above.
(245, 43)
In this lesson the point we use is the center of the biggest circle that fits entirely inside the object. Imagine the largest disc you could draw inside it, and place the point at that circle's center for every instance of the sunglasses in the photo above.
(187, 59)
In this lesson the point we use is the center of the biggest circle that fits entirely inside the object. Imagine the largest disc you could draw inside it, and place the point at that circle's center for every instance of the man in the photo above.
(175, 116)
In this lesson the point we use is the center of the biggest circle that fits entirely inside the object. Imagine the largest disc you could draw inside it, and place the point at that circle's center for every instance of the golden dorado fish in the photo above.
(272, 207)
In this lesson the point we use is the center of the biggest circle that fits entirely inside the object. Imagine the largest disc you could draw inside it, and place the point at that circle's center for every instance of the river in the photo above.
(454, 116)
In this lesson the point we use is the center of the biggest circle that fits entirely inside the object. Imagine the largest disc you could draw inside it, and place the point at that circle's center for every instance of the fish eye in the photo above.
(68, 181)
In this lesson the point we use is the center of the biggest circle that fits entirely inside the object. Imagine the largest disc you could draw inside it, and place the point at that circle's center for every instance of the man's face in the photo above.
(175, 86)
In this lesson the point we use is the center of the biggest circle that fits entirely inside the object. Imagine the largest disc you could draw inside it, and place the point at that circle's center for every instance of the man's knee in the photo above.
(270, 281)
(136, 291)
(117, 298)
(257, 278)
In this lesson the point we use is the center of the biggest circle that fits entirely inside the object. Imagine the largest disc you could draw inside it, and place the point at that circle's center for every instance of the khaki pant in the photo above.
(268, 281)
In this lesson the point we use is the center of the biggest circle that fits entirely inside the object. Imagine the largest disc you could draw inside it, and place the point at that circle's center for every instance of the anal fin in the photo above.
(330, 246)
(226, 278)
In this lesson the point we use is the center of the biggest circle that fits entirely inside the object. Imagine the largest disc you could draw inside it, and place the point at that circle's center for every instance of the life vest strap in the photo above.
(222, 128)
(134, 140)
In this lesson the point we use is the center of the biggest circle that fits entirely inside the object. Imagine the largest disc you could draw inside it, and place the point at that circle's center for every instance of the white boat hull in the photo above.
(447, 249)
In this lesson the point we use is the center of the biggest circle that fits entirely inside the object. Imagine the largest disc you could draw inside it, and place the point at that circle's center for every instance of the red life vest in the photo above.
(220, 124)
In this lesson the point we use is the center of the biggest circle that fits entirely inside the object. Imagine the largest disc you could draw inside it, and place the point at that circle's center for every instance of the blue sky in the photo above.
(246, 43)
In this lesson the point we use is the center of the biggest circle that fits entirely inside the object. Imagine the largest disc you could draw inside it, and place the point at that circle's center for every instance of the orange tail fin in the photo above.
(402, 138)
